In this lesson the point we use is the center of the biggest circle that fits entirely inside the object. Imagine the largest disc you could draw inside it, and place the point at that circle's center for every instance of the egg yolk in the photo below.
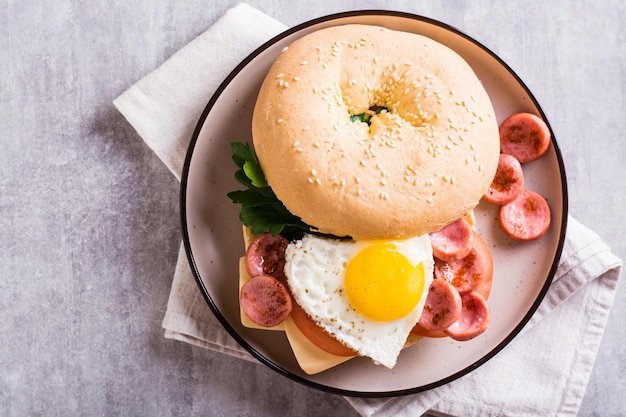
(382, 284)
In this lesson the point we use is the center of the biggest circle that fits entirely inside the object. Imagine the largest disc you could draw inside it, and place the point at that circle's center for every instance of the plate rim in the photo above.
(220, 317)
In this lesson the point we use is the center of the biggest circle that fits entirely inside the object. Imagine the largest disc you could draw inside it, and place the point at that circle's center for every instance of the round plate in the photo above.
(212, 233)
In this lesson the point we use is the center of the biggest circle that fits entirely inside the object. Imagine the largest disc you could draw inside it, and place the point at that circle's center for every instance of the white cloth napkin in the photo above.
(567, 328)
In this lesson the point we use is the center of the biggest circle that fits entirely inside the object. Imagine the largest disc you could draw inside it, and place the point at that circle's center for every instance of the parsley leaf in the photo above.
(367, 116)
(261, 210)
(255, 174)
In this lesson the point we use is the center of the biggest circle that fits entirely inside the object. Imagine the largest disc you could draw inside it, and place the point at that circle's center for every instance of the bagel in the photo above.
(425, 158)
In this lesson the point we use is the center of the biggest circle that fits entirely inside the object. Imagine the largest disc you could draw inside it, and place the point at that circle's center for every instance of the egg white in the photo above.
(315, 269)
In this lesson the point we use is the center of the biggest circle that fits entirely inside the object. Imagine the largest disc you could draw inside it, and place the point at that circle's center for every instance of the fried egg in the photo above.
(367, 294)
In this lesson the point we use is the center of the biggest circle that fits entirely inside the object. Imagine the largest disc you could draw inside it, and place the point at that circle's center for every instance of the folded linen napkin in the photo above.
(164, 107)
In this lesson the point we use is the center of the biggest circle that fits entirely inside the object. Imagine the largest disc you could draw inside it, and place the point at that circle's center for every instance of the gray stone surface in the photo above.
(89, 226)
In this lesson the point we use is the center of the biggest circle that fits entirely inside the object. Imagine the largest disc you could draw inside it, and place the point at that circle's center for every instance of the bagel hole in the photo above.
(366, 116)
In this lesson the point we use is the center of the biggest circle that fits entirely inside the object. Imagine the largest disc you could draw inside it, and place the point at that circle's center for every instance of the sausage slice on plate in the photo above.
(508, 182)
(265, 300)
(525, 218)
(443, 306)
(266, 256)
(452, 242)
(525, 136)
(474, 318)
(470, 273)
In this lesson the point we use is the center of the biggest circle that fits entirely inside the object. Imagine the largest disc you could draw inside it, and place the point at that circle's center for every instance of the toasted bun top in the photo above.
(423, 162)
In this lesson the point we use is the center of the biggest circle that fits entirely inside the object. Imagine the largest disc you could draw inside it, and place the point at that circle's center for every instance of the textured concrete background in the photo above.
(89, 222)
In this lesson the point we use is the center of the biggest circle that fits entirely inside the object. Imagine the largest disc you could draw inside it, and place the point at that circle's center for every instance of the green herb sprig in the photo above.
(261, 210)
(367, 116)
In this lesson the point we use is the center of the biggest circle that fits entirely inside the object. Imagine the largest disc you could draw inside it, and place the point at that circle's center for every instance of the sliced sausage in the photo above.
(525, 136)
(473, 320)
(265, 300)
(525, 218)
(508, 182)
(266, 256)
(452, 242)
(469, 273)
(443, 306)
(317, 335)
(482, 287)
